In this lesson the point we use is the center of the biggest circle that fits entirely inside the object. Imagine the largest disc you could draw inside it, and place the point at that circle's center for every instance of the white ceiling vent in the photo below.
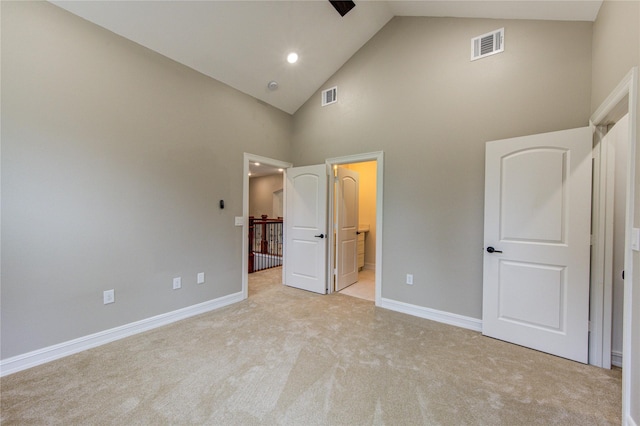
(330, 96)
(487, 44)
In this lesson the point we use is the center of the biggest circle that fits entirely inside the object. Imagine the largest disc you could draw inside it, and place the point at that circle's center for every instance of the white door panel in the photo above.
(306, 223)
(347, 193)
(537, 218)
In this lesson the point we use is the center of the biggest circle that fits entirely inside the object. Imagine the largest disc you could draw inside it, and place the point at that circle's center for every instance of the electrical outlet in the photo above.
(108, 296)
(410, 279)
(200, 278)
(177, 283)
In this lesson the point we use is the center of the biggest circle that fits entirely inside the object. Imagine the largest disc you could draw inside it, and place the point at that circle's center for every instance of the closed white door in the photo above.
(347, 187)
(536, 241)
(306, 228)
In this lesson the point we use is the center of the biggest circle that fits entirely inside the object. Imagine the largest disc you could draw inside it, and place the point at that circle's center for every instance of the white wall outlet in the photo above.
(108, 296)
(200, 279)
(410, 279)
(177, 283)
(635, 239)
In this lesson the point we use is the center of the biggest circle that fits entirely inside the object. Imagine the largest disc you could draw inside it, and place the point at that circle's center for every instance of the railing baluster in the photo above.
(265, 243)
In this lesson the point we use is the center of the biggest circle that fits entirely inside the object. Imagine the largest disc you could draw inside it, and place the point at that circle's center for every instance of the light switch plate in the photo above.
(177, 283)
(200, 278)
(635, 239)
(109, 296)
(239, 220)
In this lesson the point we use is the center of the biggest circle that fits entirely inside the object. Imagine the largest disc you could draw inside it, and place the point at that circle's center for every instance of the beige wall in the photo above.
(261, 191)
(413, 93)
(616, 49)
(367, 207)
(114, 159)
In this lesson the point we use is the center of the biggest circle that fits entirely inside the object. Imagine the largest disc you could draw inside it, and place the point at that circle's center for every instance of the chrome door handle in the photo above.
(492, 250)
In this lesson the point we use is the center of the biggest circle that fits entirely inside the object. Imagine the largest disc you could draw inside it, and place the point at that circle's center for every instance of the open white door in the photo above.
(537, 242)
(306, 228)
(347, 188)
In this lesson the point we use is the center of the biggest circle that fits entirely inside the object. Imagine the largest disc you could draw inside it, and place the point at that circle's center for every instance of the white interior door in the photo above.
(306, 228)
(537, 239)
(347, 190)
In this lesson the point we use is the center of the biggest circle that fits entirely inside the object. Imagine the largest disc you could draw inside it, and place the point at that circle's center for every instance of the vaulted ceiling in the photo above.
(244, 44)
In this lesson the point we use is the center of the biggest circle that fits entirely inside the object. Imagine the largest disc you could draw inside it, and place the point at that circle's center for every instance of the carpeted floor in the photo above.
(286, 356)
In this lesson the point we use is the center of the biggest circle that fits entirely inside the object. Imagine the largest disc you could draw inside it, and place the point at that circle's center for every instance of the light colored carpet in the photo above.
(286, 356)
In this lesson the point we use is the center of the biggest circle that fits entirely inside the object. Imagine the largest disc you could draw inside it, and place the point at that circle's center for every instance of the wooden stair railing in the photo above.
(265, 239)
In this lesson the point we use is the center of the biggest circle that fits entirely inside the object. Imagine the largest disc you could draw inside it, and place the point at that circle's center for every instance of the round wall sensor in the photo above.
(273, 85)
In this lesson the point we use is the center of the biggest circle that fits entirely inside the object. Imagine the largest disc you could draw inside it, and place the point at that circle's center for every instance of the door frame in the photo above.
(626, 89)
(252, 158)
(601, 283)
(378, 157)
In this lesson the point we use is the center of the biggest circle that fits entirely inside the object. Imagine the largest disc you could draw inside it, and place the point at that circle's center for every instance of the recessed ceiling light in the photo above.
(292, 57)
(281, 170)
(257, 164)
(249, 173)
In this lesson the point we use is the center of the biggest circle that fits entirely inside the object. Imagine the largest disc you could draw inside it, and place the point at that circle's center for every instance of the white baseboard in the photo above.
(369, 266)
(432, 314)
(50, 353)
(616, 358)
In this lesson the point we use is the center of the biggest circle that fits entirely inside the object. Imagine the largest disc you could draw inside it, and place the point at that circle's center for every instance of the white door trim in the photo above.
(628, 88)
(600, 317)
(377, 156)
(248, 158)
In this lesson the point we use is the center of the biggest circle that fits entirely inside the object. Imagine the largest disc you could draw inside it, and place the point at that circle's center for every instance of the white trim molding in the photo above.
(432, 314)
(51, 353)
(616, 358)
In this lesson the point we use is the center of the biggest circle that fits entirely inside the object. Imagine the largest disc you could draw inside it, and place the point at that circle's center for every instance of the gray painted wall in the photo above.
(261, 191)
(113, 162)
(413, 93)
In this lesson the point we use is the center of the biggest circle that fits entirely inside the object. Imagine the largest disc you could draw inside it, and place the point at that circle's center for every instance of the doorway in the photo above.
(372, 166)
(272, 200)
(623, 98)
(362, 285)
(610, 153)
(608, 325)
